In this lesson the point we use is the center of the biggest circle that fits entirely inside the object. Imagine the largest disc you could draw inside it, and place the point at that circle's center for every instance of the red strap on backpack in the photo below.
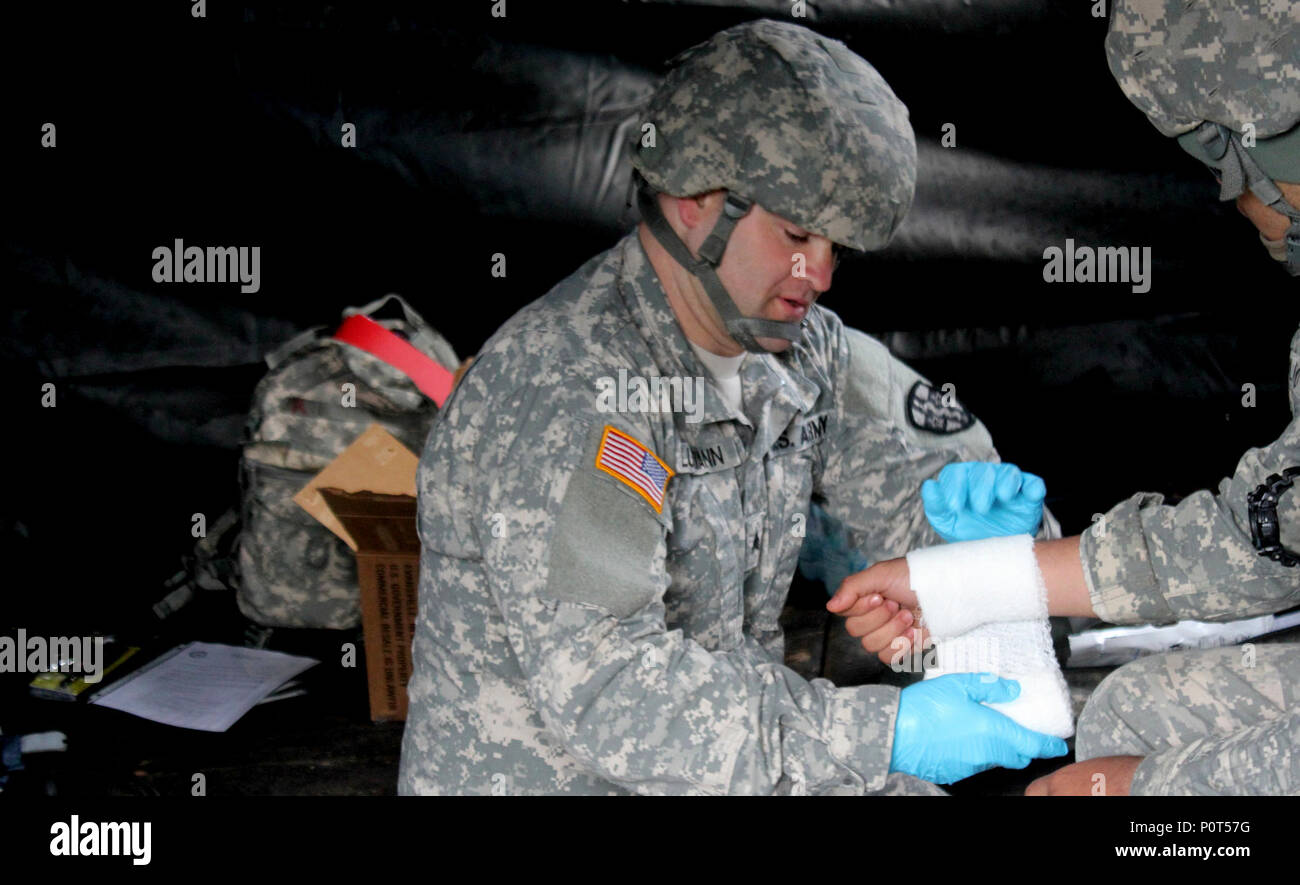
(362, 332)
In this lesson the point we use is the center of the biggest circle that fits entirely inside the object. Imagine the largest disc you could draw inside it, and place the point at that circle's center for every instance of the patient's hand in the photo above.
(889, 579)
(880, 609)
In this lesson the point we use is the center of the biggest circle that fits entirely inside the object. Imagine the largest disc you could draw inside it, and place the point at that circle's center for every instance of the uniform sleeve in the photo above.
(1149, 562)
(895, 430)
(579, 574)
(1260, 760)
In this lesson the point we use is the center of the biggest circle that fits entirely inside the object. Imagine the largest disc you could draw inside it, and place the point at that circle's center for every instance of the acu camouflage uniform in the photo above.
(582, 634)
(1221, 721)
(574, 638)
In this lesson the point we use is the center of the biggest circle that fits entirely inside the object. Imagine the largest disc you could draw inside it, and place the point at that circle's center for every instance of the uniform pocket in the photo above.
(790, 488)
(706, 560)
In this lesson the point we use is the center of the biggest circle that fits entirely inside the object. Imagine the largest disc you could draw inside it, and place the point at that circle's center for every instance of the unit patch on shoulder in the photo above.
(936, 410)
(631, 463)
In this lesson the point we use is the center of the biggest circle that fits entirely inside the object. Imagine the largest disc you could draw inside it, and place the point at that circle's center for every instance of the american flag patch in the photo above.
(629, 462)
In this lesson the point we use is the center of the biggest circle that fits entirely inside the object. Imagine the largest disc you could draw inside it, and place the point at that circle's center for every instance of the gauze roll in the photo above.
(985, 606)
(1019, 650)
(963, 585)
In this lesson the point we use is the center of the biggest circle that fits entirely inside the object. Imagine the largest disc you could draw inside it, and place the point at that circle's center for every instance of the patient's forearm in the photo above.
(1067, 591)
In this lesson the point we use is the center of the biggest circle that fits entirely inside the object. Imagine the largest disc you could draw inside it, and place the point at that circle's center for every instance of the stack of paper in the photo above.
(202, 685)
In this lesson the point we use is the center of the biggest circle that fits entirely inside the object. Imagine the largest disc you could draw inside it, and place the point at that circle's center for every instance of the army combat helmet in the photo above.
(1223, 77)
(778, 115)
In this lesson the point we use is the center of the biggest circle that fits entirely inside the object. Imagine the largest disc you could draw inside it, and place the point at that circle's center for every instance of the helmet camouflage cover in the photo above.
(789, 119)
(1232, 62)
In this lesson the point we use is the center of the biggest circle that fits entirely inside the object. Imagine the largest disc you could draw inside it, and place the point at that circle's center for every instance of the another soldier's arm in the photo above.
(579, 574)
(1145, 561)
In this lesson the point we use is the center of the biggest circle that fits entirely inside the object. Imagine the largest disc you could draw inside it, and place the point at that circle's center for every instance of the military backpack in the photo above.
(320, 394)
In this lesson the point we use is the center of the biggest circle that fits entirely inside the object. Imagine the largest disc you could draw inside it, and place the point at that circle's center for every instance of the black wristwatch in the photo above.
(1265, 533)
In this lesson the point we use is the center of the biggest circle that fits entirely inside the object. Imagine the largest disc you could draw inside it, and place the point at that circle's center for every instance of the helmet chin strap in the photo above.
(745, 330)
(1238, 172)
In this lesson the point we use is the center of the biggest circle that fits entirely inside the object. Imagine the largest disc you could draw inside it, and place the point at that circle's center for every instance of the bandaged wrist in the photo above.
(985, 605)
(961, 586)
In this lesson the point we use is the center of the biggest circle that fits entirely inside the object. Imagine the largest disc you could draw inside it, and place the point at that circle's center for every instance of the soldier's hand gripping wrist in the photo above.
(944, 733)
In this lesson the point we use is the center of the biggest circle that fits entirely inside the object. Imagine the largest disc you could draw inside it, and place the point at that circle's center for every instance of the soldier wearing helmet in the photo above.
(612, 502)
(1224, 78)
(829, 150)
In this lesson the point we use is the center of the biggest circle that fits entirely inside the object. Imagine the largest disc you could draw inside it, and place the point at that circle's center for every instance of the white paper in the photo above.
(202, 685)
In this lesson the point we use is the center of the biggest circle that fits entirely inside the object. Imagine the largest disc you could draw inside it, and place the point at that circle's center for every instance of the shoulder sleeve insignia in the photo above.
(936, 410)
(631, 463)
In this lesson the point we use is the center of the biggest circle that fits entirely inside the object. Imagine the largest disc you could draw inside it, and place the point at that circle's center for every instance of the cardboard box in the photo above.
(374, 462)
(382, 528)
(366, 496)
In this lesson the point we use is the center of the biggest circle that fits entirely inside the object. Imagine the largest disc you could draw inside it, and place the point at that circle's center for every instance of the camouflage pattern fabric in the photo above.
(790, 119)
(294, 572)
(573, 636)
(1216, 721)
(1233, 62)
(1222, 721)
(1146, 562)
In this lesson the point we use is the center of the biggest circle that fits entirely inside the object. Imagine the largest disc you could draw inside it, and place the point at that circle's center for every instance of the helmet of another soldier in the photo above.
(1223, 77)
(1231, 62)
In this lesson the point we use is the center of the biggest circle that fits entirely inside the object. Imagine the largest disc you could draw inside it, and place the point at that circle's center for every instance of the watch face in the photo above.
(1265, 530)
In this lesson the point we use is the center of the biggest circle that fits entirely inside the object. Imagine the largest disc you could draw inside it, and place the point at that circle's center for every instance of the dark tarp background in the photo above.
(479, 135)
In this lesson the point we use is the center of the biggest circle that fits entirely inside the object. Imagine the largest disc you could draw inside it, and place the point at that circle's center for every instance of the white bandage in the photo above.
(963, 585)
(1019, 650)
(985, 605)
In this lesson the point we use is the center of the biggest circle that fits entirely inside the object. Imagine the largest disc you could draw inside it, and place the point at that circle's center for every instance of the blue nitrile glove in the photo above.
(944, 733)
(826, 555)
(973, 500)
